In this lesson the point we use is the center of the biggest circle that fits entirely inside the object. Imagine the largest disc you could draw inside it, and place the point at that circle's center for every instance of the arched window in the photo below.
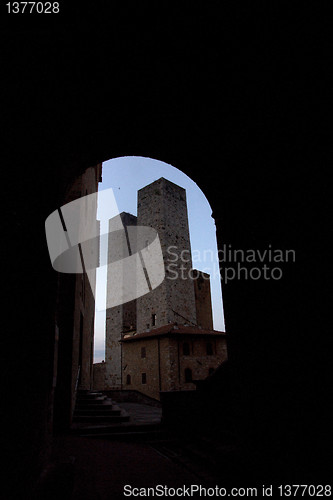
(128, 379)
(186, 349)
(188, 375)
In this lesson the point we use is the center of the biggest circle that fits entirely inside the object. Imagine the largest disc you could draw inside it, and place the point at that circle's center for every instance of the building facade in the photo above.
(163, 340)
(74, 338)
(171, 358)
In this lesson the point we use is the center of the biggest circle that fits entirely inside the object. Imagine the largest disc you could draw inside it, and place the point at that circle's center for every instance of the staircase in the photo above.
(95, 408)
(96, 416)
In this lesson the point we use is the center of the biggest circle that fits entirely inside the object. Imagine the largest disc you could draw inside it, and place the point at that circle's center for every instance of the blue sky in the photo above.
(126, 175)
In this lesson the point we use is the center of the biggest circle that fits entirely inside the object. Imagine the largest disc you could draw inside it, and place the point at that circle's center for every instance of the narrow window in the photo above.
(143, 352)
(186, 349)
(210, 371)
(209, 348)
(153, 319)
(143, 378)
(128, 379)
(188, 375)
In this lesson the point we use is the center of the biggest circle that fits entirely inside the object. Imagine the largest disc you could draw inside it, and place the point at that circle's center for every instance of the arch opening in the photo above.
(126, 176)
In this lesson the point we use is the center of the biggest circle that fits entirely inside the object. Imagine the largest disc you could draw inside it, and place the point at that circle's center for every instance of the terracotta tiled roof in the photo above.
(174, 329)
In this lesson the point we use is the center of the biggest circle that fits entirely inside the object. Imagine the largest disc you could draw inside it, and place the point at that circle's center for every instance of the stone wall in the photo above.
(198, 361)
(84, 314)
(203, 302)
(98, 383)
(122, 317)
(163, 361)
(76, 310)
(162, 205)
(136, 362)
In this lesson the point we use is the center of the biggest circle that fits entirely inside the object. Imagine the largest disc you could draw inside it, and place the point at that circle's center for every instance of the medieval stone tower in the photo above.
(162, 206)
(120, 318)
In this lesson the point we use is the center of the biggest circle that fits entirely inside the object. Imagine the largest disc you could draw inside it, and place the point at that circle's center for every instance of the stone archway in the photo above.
(244, 135)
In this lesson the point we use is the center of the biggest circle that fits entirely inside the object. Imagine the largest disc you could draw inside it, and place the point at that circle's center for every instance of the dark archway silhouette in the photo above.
(243, 134)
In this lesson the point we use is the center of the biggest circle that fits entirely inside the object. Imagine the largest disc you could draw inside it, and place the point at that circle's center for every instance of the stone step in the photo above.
(106, 410)
(97, 401)
(89, 393)
(100, 418)
(91, 399)
(107, 428)
(95, 404)
(95, 407)
(132, 436)
(88, 406)
(124, 431)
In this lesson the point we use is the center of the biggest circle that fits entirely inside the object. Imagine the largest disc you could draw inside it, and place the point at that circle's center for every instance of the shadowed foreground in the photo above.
(93, 469)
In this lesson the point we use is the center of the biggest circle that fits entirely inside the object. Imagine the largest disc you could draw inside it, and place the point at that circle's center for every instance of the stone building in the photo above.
(171, 358)
(163, 340)
(74, 338)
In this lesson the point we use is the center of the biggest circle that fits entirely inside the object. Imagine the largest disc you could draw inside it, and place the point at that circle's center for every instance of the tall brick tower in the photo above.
(162, 206)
